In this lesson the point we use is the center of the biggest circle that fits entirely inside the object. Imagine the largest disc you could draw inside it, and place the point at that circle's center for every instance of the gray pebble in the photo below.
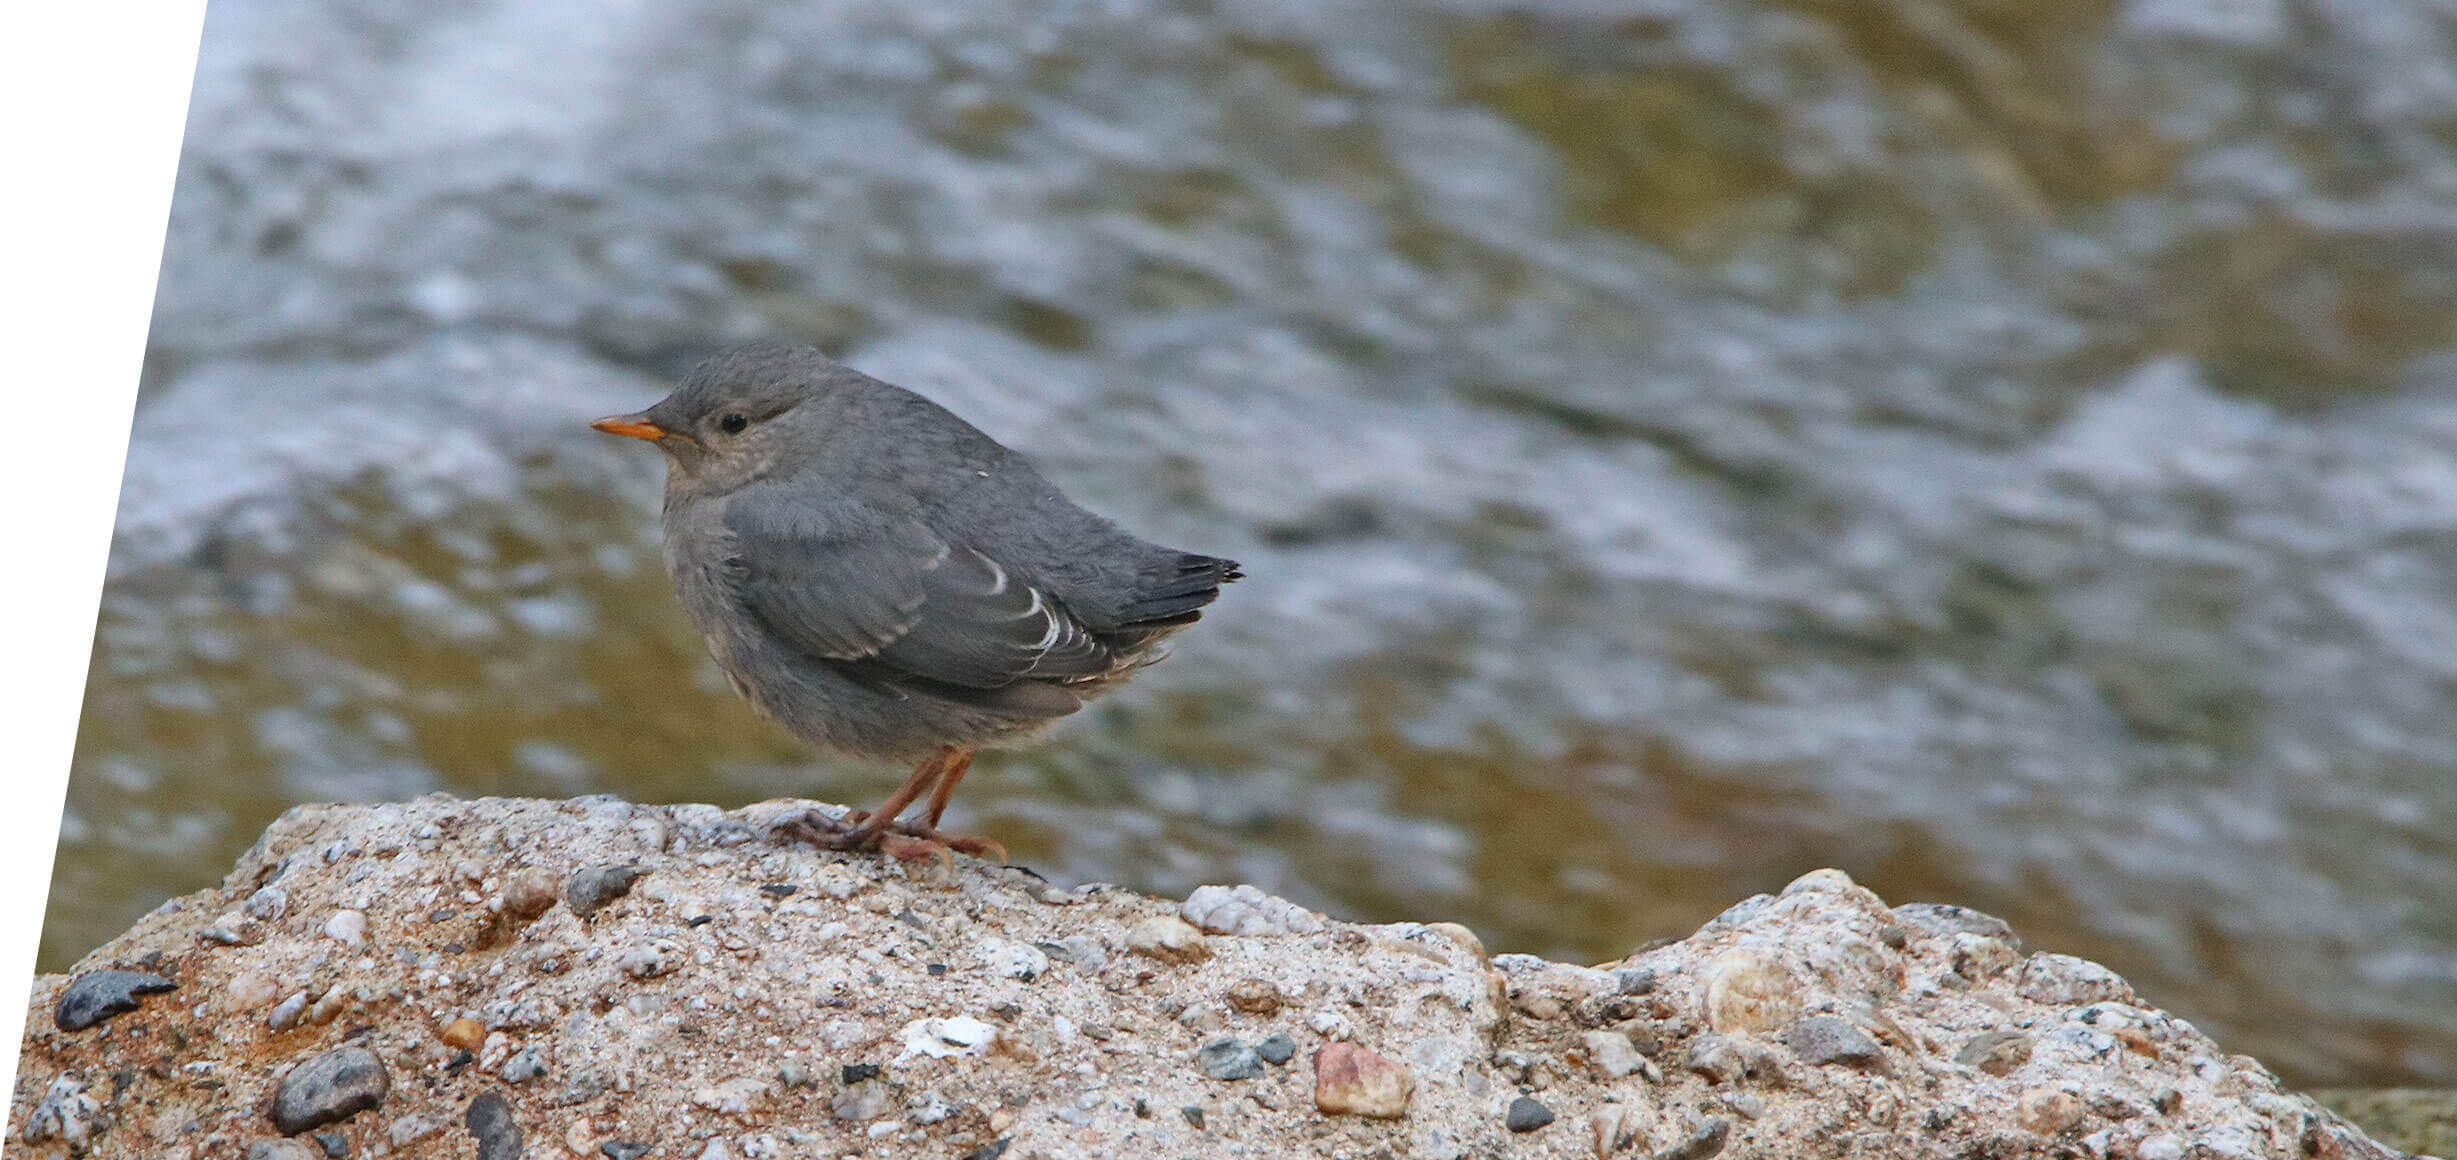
(623, 1150)
(1527, 1115)
(95, 996)
(592, 888)
(523, 1066)
(1704, 1142)
(990, 1151)
(866, 1100)
(1938, 919)
(794, 1075)
(1824, 1039)
(280, 1150)
(1229, 1059)
(267, 904)
(490, 1120)
(1277, 1050)
(333, 1086)
(335, 1144)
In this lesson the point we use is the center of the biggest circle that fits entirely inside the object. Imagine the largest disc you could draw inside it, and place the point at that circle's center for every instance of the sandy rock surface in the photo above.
(590, 978)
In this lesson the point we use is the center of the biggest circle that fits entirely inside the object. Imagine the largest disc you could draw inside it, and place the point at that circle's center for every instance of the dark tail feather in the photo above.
(1177, 591)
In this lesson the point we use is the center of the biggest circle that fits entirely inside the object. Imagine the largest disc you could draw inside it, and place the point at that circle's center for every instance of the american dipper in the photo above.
(885, 581)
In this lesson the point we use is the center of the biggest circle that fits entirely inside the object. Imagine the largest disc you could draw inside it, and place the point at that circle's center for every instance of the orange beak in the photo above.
(636, 425)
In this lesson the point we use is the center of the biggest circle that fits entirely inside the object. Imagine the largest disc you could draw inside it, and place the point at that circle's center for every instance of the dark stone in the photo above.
(990, 1151)
(1277, 1050)
(1526, 1115)
(1824, 1039)
(1194, 1115)
(779, 889)
(592, 888)
(936, 969)
(95, 996)
(333, 1086)
(857, 1072)
(1704, 1142)
(1229, 1059)
(490, 1120)
(335, 1144)
(623, 1150)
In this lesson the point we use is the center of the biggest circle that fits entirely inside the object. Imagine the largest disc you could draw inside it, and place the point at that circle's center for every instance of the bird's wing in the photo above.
(847, 581)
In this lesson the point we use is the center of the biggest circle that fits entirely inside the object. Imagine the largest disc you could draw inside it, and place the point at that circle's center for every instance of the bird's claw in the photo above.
(906, 840)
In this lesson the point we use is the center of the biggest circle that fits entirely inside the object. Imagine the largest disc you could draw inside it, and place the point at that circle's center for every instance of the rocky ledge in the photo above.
(592, 978)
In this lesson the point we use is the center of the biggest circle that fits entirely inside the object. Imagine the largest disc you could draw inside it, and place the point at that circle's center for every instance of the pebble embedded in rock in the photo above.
(1704, 1142)
(1229, 1059)
(2061, 979)
(280, 1150)
(1254, 996)
(1610, 1054)
(333, 1086)
(525, 1065)
(1527, 1115)
(267, 904)
(990, 1151)
(335, 1144)
(1167, 937)
(1357, 1081)
(95, 996)
(1746, 991)
(2047, 1111)
(1277, 1050)
(490, 1120)
(1995, 1052)
(1938, 919)
(464, 1033)
(594, 887)
(623, 1150)
(528, 895)
(866, 1100)
(1246, 910)
(347, 927)
(1824, 1039)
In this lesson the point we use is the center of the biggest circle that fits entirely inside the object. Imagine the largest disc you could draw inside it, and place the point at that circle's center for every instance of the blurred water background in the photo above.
(2006, 450)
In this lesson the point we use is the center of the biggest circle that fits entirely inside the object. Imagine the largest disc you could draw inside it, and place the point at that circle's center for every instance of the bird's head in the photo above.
(733, 418)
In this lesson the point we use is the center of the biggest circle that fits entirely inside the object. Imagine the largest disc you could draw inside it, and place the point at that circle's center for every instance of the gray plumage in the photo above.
(883, 579)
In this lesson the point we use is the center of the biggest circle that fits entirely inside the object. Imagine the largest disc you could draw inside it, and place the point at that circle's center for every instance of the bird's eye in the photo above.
(733, 423)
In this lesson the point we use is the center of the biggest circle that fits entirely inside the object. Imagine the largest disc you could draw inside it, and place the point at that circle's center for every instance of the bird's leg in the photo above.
(959, 763)
(873, 823)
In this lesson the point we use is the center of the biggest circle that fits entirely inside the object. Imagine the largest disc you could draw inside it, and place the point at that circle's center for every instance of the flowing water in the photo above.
(2005, 450)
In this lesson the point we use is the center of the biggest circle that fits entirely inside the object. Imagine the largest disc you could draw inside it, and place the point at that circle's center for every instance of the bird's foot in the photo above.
(910, 841)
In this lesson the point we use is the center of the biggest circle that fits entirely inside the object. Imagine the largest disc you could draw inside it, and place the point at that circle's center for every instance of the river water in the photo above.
(2005, 450)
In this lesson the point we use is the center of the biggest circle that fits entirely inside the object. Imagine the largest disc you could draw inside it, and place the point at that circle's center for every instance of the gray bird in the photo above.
(885, 581)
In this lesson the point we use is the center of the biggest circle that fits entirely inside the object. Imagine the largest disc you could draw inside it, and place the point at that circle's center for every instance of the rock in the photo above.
(288, 1013)
(95, 996)
(1245, 910)
(347, 927)
(1610, 1054)
(2065, 980)
(528, 895)
(333, 1086)
(524, 1065)
(595, 886)
(1527, 1115)
(1748, 992)
(871, 1013)
(1167, 937)
(1355, 1081)
(281, 1150)
(2047, 1111)
(1824, 1039)
(1705, 1142)
(266, 904)
(66, 1113)
(1937, 920)
(463, 1033)
(1227, 1059)
(490, 1120)
(1995, 1052)
(1253, 996)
